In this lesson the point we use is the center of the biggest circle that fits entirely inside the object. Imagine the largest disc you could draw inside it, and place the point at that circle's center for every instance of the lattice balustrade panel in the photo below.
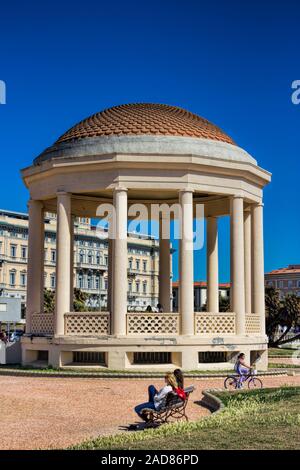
(252, 323)
(223, 323)
(161, 323)
(82, 324)
(42, 323)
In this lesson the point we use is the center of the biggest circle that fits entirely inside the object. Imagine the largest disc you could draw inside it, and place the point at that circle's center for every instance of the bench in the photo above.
(174, 408)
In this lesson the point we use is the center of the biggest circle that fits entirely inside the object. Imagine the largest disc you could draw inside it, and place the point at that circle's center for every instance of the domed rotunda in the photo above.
(148, 155)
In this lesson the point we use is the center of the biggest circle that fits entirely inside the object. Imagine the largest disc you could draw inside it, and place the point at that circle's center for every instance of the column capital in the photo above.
(120, 188)
(186, 190)
(258, 204)
(237, 196)
(35, 202)
(63, 193)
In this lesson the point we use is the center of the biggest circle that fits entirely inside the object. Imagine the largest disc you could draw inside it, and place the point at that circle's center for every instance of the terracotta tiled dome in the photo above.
(145, 119)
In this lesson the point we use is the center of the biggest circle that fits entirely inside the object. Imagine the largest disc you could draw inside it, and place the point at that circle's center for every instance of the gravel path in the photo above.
(39, 413)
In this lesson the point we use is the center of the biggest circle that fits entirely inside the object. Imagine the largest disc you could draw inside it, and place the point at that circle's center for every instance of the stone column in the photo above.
(212, 265)
(186, 274)
(231, 258)
(258, 281)
(110, 274)
(238, 267)
(119, 295)
(164, 268)
(72, 224)
(35, 267)
(247, 250)
(63, 262)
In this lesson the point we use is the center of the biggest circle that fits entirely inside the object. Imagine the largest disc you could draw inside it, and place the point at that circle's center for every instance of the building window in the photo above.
(298, 283)
(130, 264)
(105, 284)
(52, 281)
(12, 278)
(98, 258)
(137, 264)
(144, 266)
(13, 251)
(145, 288)
(130, 287)
(81, 257)
(53, 256)
(290, 284)
(137, 286)
(106, 260)
(280, 283)
(23, 279)
(80, 281)
(97, 282)
(90, 258)
(90, 282)
(24, 252)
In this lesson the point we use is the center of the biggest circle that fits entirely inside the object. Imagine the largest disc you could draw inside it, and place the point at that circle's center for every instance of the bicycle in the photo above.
(233, 382)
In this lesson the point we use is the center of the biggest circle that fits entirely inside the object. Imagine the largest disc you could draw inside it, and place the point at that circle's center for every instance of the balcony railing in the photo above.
(144, 323)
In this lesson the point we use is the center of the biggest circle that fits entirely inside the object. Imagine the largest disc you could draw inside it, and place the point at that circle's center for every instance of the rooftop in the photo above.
(224, 285)
(145, 119)
(290, 269)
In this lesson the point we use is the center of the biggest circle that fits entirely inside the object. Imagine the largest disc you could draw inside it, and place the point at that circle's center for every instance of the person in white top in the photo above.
(157, 399)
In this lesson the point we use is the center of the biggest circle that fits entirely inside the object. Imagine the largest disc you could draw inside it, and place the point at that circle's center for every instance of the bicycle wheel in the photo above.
(255, 382)
(230, 383)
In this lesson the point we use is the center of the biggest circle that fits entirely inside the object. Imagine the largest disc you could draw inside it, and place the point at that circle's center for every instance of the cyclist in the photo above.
(242, 369)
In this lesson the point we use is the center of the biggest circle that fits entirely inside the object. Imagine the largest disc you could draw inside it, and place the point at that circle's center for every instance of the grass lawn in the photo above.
(282, 352)
(259, 419)
(273, 365)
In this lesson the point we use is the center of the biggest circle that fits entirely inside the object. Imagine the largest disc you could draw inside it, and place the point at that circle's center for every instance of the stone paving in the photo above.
(39, 413)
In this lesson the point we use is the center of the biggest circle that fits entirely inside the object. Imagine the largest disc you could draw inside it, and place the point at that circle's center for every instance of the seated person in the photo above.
(241, 368)
(157, 400)
(180, 384)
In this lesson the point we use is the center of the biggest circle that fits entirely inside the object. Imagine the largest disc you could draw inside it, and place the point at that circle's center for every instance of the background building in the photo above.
(200, 294)
(285, 280)
(90, 261)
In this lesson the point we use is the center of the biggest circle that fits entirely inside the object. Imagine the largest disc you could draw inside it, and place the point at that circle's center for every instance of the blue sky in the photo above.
(231, 62)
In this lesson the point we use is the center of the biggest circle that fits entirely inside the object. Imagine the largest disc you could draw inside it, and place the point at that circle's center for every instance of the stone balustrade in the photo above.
(215, 323)
(153, 323)
(42, 324)
(98, 323)
(87, 323)
(253, 324)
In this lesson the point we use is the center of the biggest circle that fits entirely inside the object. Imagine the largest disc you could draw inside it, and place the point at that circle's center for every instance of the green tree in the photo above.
(285, 313)
(80, 300)
(49, 301)
(79, 303)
